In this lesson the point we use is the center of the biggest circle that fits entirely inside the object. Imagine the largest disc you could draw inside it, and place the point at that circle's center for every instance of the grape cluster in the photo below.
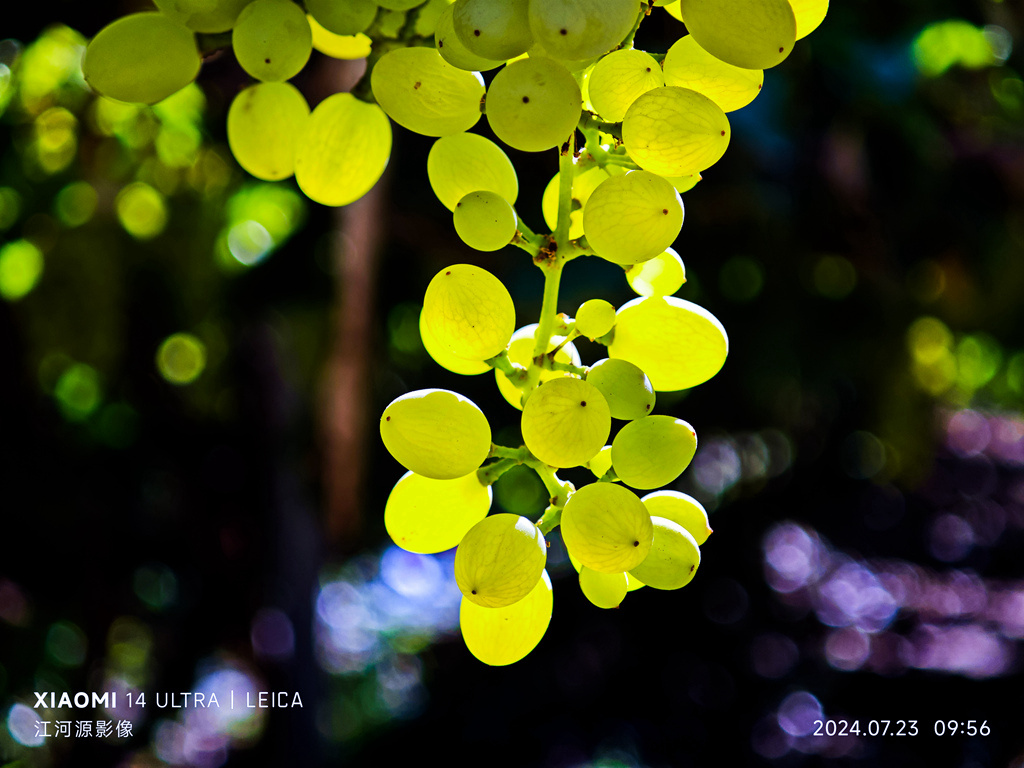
(632, 130)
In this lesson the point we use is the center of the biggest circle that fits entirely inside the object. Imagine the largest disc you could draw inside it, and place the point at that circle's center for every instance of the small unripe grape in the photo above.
(594, 318)
(485, 221)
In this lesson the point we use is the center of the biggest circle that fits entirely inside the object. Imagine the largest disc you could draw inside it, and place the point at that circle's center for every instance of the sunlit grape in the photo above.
(632, 218)
(575, 29)
(500, 560)
(605, 590)
(502, 636)
(424, 515)
(469, 312)
(661, 276)
(754, 34)
(452, 49)
(464, 163)
(627, 389)
(493, 30)
(619, 78)
(343, 18)
(485, 221)
(653, 451)
(687, 65)
(595, 317)
(264, 123)
(673, 559)
(565, 422)
(272, 39)
(681, 509)
(606, 528)
(533, 104)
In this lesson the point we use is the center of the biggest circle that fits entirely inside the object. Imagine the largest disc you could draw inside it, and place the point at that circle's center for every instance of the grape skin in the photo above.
(500, 560)
(465, 162)
(632, 218)
(493, 30)
(272, 40)
(681, 509)
(619, 79)
(485, 221)
(673, 559)
(469, 312)
(533, 104)
(653, 451)
(263, 124)
(427, 516)
(502, 636)
(661, 276)
(452, 49)
(605, 590)
(687, 65)
(606, 528)
(581, 29)
(627, 389)
(565, 422)
(753, 34)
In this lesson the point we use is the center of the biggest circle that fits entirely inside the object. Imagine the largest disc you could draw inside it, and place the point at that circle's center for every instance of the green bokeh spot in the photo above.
(181, 358)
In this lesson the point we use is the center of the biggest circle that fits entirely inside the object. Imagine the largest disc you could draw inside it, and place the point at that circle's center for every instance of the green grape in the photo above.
(485, 221)
(203, 15)
(272, 39)
(436, 433)
(627, 389)
(263, 124)
(426, 516)
(619, 79)
(426, 16)
(753, 34)
(533, 104)
(661, 276)
(500, 560)
(493, 29)
(809, 14)
(633, 583)
(583, 186)
(653, 451)
(581, 29)
(452, 49)
(677, 343)
(601, 462)
(446, 359)
(687, 65)
(343, 151)
(605, 590)
(683, 183)
(675, 131)
(682, 510)
(141, 58)
(424, 93)
(390, 23)
(469, 312)
(520, 352)
(398, 5)
(594, 318)
(606, 528)
(673, 10)
(565, 422)
(348, 47)
(673, 559)
(463, 163)
(632, 218)
(502, 636)
(349, 17)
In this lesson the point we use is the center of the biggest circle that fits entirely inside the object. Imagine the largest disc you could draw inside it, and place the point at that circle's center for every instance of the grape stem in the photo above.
(520, 454)
(488, 474)
(515, 373)
(558, 491)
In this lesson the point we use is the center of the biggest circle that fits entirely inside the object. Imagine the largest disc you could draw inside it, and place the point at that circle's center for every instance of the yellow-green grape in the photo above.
(673, 559)
(566, 422)
(465, 162)
(502, 636)
(272, 39)
(675, 131)
(661, 276)
(677, 343)
(594, 318)
(436, 433)
(653, 451)
(424, 93)
(424, 515)
(533, 104)
(141, 58)
(398, 5)
(264, 122)
(485, 221)
(343, 151)
(687, 65)
(809, 14)
(682, 510)
(632, 218)
(446, 359)
(581, 29)
(583, 186)
(606, 528)
(633, 583)
(203, 15)
(452, 49)
(389, 23)
(343, 18)
(673, 10)
(601, 462)
(520, 352)
(493, 29)
(754, 34)
(627, 389)
(469, 312)
(348, 47)
(683, 183)
(499, 560)
(605, 590)
(619, 78)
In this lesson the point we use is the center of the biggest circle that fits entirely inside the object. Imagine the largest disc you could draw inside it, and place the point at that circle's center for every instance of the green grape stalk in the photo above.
(632, 130)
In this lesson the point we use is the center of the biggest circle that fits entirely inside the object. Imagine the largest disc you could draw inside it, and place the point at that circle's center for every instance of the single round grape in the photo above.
(464, 163)
(661, 276)
(485, 221)
(424, 515)
(446, 359)
(493, 29)
(424, 93)
(601, 463)
(452, 49)
(682, 510)
(606, 528)
(675, 131)
(520, 352)
(619, 78)
(581, 29)
(347, 47)
(653, 451)
(272, 39)
(605, 590)
(343, 151)
(809, 14)
(632, 218)
(203, 16)
(533, 104)
(500, 560)
(469, 312)
(594, 318)
(141, 58)
(754, 34)
(687, 65)
(673, 559)
(627, 389)
(675, 342)
(346, 18)
(436, 433)
(264, 122)
(565, 422)
(583, 186)
(502, 636)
